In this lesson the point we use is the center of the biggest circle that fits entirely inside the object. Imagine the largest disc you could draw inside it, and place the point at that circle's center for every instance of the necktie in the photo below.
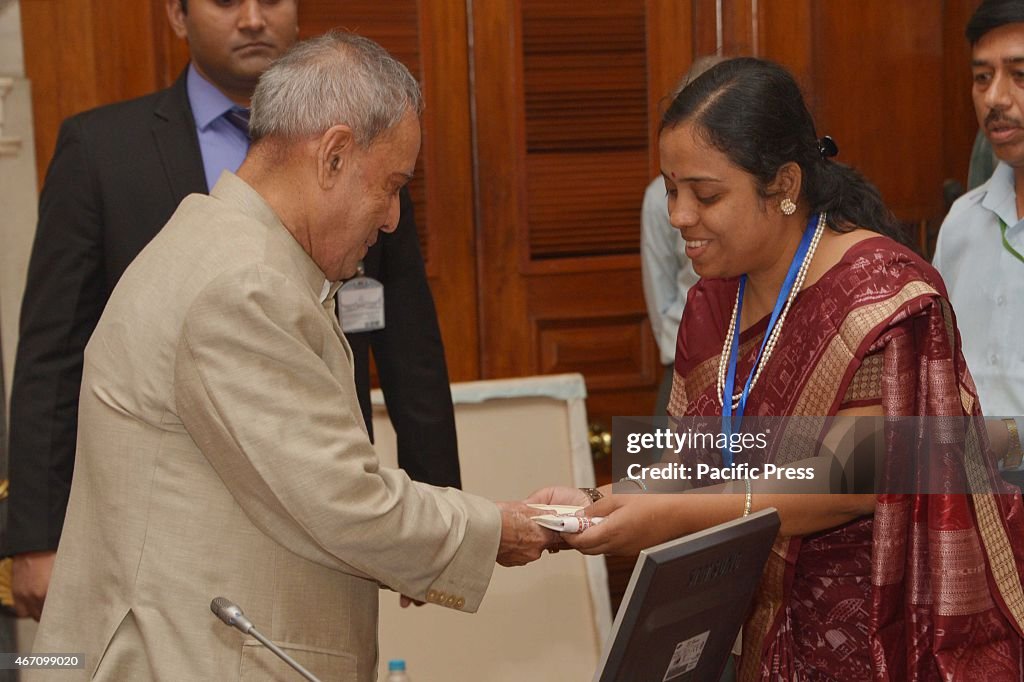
(238, 117)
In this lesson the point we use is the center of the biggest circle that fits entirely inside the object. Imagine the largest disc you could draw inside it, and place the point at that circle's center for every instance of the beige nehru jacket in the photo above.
(221, 452)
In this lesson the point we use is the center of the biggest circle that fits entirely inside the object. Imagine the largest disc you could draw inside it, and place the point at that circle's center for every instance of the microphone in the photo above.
(229, 612)
(232, 615)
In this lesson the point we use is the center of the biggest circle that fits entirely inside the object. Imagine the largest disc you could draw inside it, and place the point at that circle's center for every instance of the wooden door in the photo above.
(429, 37)
(565, 95)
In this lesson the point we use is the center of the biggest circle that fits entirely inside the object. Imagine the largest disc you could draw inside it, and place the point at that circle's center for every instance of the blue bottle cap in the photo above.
(397, 664)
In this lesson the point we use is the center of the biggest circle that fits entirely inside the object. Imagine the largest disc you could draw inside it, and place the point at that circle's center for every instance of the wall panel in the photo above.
(85, 53)
(541, 121)
(82, 54)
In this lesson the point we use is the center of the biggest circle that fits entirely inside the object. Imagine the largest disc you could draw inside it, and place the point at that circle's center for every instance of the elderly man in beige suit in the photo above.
(221, 449)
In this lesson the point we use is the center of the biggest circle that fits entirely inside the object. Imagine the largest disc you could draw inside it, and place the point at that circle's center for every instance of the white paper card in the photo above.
(361, 305)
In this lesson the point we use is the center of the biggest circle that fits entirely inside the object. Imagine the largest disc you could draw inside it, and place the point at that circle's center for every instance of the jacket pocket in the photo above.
(260, 663)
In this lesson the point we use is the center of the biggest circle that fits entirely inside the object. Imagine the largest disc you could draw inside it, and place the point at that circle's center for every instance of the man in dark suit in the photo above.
(117, 175)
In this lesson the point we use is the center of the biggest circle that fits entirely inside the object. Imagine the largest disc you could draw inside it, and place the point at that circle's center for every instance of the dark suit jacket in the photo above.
(117, 175)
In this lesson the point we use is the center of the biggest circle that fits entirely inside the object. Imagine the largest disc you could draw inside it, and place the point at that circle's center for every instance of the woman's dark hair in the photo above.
(993, 14)
(752, 111)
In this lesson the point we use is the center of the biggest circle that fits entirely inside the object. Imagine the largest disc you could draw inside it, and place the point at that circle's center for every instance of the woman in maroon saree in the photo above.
(926, 588)
(835, 319)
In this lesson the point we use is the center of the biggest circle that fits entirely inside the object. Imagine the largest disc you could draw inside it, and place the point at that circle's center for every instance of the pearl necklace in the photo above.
(776, 330)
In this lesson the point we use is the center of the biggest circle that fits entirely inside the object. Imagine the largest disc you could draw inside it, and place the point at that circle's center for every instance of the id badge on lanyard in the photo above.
(361, 304)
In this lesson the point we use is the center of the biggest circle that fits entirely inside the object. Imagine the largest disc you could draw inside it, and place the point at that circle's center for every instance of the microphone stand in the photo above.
(284, 657)
(231, 614)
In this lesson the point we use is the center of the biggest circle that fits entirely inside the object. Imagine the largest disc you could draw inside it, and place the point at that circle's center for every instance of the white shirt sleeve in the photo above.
(667, 272)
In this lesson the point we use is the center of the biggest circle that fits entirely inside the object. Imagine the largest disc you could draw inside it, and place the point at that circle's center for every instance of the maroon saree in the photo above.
(929, 587)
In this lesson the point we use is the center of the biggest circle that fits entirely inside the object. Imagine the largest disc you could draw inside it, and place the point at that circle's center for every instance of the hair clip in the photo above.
(827, 147)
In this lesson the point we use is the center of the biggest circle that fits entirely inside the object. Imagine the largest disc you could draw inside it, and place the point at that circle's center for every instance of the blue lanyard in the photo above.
(734, 352)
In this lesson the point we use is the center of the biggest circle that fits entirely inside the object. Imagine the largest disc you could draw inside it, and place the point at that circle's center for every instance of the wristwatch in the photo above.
(593, 493)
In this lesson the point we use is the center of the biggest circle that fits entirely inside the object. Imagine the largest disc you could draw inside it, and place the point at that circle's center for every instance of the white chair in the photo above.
(542, 622)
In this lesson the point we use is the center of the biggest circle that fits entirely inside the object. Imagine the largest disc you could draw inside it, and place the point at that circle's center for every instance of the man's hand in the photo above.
(522, 540)
(559, 495)
(30, 579)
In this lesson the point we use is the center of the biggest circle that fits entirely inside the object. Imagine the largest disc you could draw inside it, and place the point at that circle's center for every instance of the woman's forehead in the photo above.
(685, 153)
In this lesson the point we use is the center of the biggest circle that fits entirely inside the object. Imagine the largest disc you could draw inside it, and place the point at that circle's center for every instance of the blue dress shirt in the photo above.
(222, 145)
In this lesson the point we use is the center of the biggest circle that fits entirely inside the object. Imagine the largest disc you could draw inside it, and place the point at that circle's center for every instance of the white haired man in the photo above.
(141, 158)
(221, 446)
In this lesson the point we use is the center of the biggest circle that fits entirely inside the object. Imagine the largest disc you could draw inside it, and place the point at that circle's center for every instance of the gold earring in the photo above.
(787, 206)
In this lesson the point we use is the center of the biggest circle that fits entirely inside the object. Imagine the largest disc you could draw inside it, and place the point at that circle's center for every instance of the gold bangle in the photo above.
(746, 502)
(1014, 453)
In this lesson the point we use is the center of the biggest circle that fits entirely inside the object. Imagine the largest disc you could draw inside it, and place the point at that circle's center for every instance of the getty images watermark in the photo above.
(685, 439)
(815, 455)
